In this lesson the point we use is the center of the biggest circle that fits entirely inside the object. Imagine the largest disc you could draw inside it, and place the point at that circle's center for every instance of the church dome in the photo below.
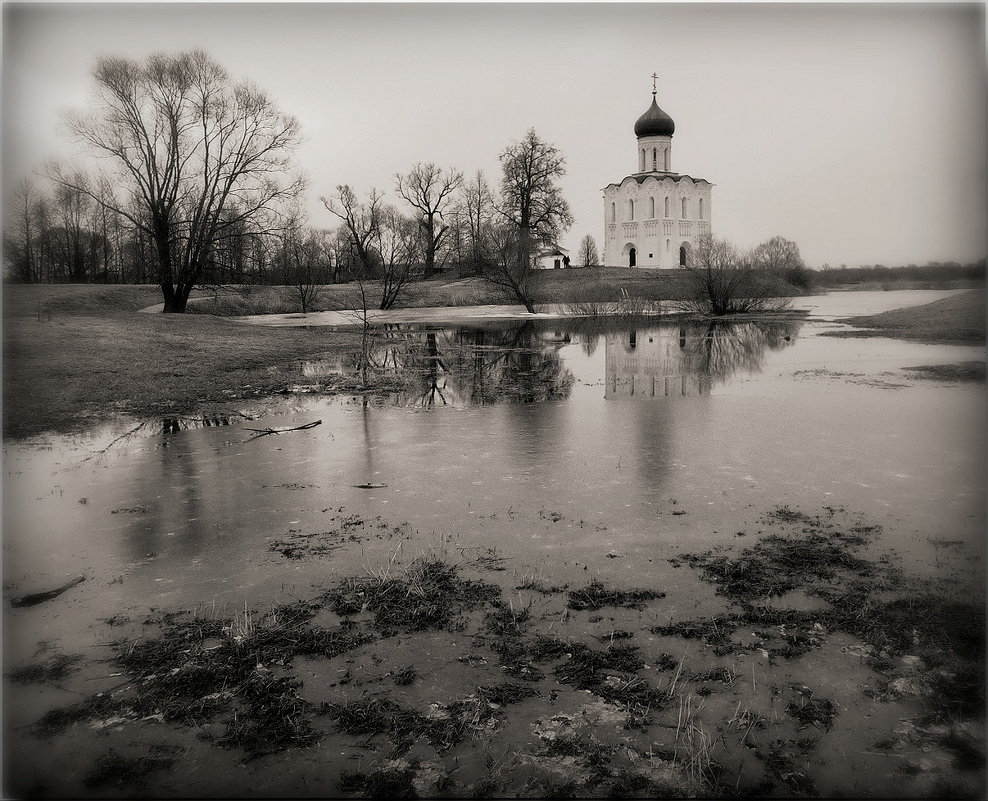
(654, 122)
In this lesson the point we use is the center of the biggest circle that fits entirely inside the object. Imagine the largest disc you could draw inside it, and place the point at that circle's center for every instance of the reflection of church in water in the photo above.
(652, 364)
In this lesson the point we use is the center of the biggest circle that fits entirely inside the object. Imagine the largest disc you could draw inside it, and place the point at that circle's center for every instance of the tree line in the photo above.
(933, 272)
(201, 187)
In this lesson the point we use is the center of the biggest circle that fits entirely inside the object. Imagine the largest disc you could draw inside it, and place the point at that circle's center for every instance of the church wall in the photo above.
(657, 238)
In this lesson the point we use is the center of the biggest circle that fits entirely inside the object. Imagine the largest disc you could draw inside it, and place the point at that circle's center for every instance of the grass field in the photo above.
(552, 286)
(959, 318)
(63, 374)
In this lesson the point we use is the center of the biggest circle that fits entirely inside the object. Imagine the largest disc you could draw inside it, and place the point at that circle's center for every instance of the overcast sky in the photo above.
(857, 131)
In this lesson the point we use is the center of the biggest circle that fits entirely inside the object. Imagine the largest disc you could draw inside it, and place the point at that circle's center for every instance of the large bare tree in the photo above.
(194, 155)
(429, 190)
(532, 204)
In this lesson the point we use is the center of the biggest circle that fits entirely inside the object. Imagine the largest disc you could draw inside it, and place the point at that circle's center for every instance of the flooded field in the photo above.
(574, 557)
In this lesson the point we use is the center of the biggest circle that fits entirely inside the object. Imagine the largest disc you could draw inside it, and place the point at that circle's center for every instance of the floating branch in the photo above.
(264, 432)
(33, 598)
(370, 485)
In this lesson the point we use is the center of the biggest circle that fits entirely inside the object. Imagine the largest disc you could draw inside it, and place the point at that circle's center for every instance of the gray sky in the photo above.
(858, 131)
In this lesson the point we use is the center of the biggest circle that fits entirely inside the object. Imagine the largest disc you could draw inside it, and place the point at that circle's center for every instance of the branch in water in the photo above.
(265, 432)
(33, 598)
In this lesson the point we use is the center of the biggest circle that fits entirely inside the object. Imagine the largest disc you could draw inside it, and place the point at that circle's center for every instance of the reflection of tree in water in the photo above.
(721, 349)
(520, 364)
(688, 359)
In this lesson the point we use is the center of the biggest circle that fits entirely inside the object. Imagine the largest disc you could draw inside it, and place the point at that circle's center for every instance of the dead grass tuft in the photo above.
(596, 596)
(430, 595)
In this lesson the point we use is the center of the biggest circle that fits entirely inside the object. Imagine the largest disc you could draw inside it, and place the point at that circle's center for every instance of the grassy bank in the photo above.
(575, 286)
(64, 374)
(552, 286)
(959, 318)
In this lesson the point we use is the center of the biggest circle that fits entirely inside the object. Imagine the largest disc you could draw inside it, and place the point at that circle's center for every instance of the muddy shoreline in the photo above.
(819, 669)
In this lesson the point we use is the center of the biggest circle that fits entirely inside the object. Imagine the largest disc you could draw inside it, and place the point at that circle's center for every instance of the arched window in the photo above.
(665, 157)
(668, 243)
(651, 208)
(701, 208)
(684, 208)
(641, 161)
(655, 159)
(631, 209)
(613, 212)
(667, 206)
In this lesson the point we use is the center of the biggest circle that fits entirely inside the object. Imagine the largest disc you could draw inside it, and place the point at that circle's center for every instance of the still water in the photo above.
(551, 444)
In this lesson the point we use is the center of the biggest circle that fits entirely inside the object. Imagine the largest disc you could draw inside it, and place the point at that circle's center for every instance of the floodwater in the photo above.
(549, 444)
(604, 422)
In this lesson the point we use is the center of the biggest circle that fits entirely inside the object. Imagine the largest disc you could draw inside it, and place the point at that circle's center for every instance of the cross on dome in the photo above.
(654, 122)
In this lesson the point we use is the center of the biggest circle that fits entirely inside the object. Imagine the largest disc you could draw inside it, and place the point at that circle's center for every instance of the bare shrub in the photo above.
(724, 280)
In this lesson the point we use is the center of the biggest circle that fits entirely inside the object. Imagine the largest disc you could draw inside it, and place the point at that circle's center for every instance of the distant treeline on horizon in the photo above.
(934, 272)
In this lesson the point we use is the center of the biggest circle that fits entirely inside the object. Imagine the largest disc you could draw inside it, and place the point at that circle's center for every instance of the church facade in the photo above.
(654, 217)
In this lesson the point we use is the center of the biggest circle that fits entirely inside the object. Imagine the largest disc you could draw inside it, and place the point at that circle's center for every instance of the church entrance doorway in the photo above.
(683, 254)
(632, 257)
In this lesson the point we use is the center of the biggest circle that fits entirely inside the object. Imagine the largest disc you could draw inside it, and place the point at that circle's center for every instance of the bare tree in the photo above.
(20, 240)
(361, 221)
(188, 146)
(477, 203)
(504, 264)
(588, 252)
(781, 256)
(345, 266)
(532, 205)
(397, 245)
(727, 281)
(304, 265)
(455, 244)
(429, 191)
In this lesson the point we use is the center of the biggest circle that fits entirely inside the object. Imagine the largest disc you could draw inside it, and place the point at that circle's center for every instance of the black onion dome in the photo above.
(654, 122)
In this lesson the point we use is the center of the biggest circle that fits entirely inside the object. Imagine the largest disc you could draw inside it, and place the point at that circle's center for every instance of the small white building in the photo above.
(653, 217)
(551, 258)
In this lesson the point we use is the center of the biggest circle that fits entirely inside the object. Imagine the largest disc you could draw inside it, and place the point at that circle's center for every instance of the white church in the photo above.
(654, 217)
